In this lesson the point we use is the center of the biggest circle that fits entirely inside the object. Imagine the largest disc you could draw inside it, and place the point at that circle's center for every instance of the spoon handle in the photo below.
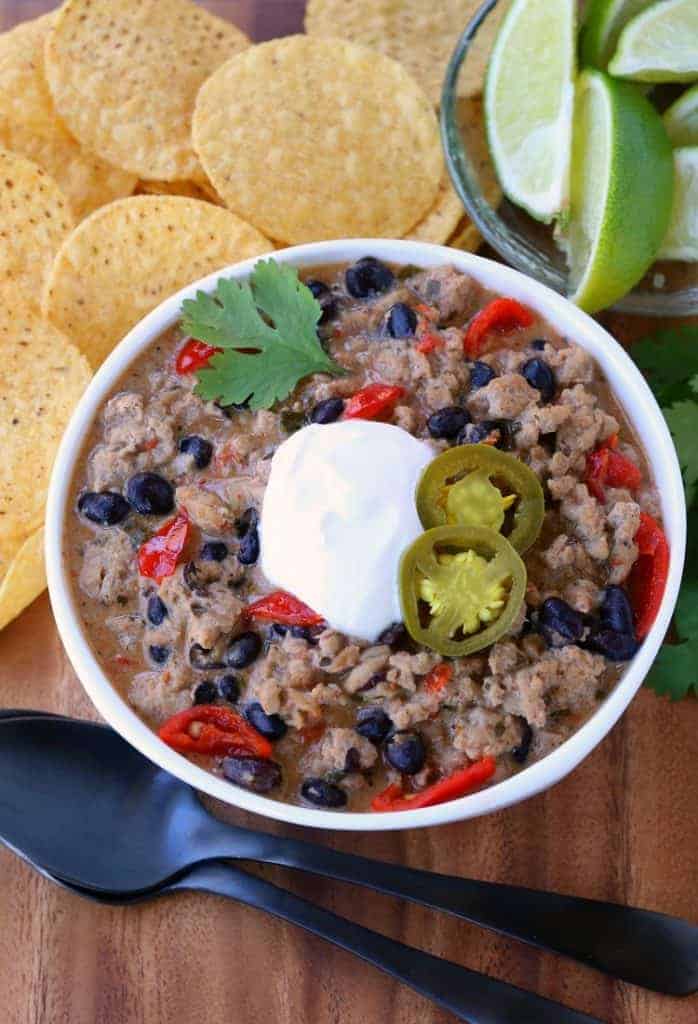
(640, 946)
(471, 996)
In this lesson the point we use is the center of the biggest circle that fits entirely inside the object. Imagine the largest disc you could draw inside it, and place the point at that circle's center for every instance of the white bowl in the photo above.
(625, 380)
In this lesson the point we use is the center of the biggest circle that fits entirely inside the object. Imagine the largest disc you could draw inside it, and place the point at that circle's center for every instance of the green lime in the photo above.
(660, 44)
(603, 23)
(529, 95)
(681, 119)
(621, 189)
(681, 240)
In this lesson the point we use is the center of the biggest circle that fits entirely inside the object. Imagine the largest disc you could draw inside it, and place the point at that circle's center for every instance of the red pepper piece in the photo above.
(439, 677)
(458, 784)
(209, 729)
(497, 317)
(374, 402)
(429, 342)
(608, 468)
(158, 557)
(648, 575)
(284, 608)
(193, 356)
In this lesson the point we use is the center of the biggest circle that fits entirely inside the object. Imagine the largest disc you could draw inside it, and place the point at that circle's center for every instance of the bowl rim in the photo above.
(628, 385)
(519, 251)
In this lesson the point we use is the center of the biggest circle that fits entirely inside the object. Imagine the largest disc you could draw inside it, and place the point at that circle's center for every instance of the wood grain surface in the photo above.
(622, 827)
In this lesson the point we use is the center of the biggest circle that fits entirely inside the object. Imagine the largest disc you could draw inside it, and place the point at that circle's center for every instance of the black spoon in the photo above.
(70, 790)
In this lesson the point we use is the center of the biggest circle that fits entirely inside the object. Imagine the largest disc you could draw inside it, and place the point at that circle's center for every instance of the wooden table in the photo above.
(622, 827)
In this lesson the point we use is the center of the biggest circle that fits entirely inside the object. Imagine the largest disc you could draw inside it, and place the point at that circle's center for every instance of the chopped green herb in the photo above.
(669, 360)
(682, 418)
(267, 328)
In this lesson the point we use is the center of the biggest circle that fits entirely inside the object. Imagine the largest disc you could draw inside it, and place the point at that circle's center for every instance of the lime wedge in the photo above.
(529, 95)
(681, 119)
(681, 240)
(603, 23)
(660, 44)
(621, 190)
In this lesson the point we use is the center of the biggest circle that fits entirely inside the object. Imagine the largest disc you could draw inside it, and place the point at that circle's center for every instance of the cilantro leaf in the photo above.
(674, 673)
(273, 314)
(682, 418)
(669, 359)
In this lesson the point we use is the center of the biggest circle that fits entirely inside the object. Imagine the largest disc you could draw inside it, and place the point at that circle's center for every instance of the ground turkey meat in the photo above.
(624, 520)
(451, 293)
(107, 571)
(482, 732)
(340, 750)
(503, 398)
(588, 518)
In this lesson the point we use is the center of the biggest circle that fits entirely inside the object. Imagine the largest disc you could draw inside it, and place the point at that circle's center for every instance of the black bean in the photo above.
(541, 377)
(159, 653)
(539, 344)
(248, 552)
(105, 508)
(228, 687)
(327, 411)
(201, 657)
(247, 521)
(205, 693)
(352, 762)
(615, 612)
(258, 774)
(401, 321)
(405, 752)
(367, 277)
(199, 448)
(150, 494)
(498, 433)
(560, 623)
(373, 723)
(480, 375)
(447, 422)
(156, 610)
(243, 650)
(521, 750)
(325, 297)
(213, 551)
(271, 726)
(323, 793)
(394, 635)
(614, 646)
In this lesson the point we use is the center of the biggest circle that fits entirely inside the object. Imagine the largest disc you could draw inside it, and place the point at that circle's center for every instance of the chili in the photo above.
(209, 729)
(606, 467)
(648, 575)
(158, 556)
(374, 402)
(283, 608)
(193, 356)
(458, 784)
(439, 677)
(497, 317)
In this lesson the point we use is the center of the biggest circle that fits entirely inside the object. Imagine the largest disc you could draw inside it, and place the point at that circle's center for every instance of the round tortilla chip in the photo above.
(172, 188)
(317, 138)
(421, 34)
(35, 217)
(30, 125)
(42, 376)
(442, 218)
(124, 75)
(125, 258)
(466, 237)
(24, 578)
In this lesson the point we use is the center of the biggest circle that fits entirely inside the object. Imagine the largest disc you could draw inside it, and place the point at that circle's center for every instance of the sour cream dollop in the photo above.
(338, 512)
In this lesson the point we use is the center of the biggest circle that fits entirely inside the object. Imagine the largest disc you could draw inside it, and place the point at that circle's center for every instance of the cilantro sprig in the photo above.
(670, 361)
(267, 328)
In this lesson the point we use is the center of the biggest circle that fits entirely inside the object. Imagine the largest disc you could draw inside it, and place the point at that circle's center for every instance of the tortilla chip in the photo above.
(466, 237)
(316, 138)
(24, 578)
(42, 376)
(172, 188)
(30, 125)
(124, 75)
(421, 34)
(125, 258)
(35, 217)
(441, 220)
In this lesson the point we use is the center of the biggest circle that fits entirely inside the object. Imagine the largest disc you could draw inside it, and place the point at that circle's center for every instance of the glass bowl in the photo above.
(669, 288)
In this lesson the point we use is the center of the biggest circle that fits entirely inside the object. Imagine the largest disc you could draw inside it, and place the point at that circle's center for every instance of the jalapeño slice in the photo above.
(476, 485)
(461, 588)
